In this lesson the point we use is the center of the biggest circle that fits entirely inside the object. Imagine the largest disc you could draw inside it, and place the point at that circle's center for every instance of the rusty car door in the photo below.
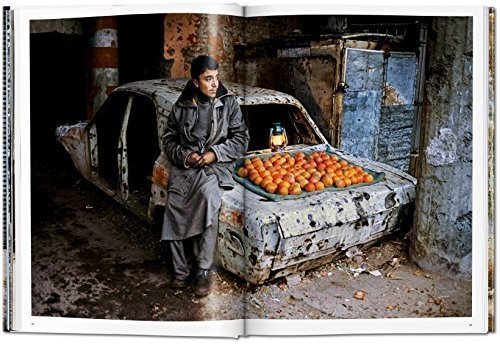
(104, 136)
(139, 147)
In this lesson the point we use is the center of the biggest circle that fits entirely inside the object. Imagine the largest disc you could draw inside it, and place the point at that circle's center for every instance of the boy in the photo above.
(205, 133)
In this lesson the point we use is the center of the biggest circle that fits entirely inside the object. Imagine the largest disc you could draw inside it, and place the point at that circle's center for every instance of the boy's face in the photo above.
(208, 82)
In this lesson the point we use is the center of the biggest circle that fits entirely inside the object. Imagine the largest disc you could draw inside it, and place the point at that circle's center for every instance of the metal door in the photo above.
(379, 106)
(364, 72)
(398, 110)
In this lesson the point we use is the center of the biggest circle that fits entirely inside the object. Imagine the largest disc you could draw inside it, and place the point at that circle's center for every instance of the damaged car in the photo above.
(259, 239)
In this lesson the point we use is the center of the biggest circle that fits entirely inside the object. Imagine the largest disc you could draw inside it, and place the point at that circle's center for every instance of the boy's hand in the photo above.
(196, 160)
(207, 158)
(192, 159)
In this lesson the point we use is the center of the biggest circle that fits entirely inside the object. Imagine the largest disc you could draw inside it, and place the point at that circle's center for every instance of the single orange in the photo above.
(299, 155)
(319, 185)
(277, 181)
(257, 180)
(306, 175)
(260, 168)
(311, 170)
(368, 178)
(284, 184)
(330, 169)
(327, 180)
(340, 183)
(289, 178)
(283, 190)
(295, 189)
(252, 175)
(242, 172)
(303, 183)
(310, 187)
(314, 179)
(264, 173)
(250, 167)
(267, 164)
(271, 187)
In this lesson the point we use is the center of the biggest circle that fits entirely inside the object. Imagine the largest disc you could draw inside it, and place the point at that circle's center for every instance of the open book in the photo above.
(361, 204)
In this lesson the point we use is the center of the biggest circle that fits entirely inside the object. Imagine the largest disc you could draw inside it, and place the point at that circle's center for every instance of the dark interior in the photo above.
(57, 89)
(142, 147)
(260, 119)
(108, 123)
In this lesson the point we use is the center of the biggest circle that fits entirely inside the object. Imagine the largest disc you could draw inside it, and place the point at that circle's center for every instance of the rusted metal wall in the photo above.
(441, 238)
(189, 35)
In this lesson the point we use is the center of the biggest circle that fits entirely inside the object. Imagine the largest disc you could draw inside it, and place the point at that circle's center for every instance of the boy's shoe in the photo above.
(202, 283)
(178, 283)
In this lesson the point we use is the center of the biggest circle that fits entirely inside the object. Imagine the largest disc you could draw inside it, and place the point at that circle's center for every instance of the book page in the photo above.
(376, 82)
(87, 266)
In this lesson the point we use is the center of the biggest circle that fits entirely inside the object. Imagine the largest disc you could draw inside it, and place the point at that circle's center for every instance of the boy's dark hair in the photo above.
(202, 63)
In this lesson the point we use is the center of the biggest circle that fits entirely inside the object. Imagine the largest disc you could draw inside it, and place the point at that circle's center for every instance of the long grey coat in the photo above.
(228, 140)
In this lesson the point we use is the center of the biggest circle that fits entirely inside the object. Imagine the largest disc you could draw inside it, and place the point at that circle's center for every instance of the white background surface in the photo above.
(77, 339)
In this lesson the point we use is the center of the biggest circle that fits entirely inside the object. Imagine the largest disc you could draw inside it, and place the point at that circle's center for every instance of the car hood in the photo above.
(332, 207)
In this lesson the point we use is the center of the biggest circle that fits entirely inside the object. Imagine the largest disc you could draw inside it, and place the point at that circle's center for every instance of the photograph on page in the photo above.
(193, 167)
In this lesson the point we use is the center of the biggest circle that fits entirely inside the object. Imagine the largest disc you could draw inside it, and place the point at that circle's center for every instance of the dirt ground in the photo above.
(91, 258)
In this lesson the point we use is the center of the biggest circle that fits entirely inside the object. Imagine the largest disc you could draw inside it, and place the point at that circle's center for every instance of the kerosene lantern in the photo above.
(277, 138)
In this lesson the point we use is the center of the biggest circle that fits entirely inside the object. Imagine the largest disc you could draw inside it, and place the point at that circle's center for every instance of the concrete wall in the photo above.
(441, 239)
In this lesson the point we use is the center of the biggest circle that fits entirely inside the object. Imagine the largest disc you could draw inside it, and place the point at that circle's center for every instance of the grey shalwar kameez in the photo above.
(194, 194)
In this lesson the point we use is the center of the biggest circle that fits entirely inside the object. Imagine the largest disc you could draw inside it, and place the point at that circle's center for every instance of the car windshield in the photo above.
(260, 118)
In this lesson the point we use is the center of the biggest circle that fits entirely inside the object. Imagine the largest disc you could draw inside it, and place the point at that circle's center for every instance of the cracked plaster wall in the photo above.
(442, 233)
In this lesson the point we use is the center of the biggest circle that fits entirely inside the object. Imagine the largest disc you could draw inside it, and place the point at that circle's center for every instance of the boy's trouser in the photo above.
(203, 251)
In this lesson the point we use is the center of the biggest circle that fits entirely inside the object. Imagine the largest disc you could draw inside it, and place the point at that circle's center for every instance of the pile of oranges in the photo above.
(285, 174)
